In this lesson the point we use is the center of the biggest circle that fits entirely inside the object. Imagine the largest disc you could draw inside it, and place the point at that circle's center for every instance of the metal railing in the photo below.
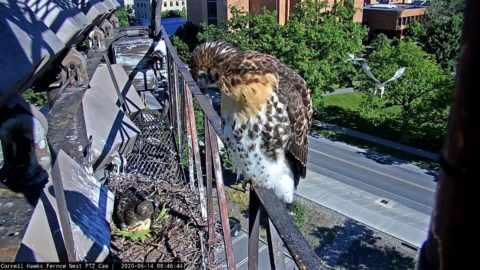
(281, 230)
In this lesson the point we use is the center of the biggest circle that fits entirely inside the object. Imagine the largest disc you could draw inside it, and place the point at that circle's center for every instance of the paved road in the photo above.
(378, 174)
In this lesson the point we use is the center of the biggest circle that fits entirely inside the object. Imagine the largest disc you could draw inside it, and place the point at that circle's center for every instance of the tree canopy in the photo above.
(174, 14)
(422, 93)
(124, 16)
(440, 33)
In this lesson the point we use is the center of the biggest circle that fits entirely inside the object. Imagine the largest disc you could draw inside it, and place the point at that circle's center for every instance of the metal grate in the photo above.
(154, 154)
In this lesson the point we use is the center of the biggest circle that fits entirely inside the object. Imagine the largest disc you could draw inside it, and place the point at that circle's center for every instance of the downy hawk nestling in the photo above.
(266, 112)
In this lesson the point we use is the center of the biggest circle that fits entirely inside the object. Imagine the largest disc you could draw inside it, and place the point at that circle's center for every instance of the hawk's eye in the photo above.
(212, 77)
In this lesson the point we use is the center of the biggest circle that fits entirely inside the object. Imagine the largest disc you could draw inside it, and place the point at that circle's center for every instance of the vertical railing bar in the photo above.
(208, 175)
(222, 201)
(196, 151)
(169, 87)
(182, 105)
(191, 175)
(174, 102)
(177, 107)
(275, 248)
(253, 230)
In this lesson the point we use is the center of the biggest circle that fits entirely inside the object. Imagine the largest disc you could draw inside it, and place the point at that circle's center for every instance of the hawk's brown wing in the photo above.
(294, 93)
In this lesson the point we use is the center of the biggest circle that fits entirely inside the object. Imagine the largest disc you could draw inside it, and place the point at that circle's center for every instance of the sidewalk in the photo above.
(382, 214)
(374, 139)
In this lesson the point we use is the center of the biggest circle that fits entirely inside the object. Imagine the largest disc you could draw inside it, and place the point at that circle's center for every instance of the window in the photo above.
(171, 4)
(165, 4)
(176, 4)
(183, 3)
(212, 11)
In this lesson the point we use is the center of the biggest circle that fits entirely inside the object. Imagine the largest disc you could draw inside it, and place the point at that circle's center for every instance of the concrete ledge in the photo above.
(111, 129)
(101, 80)
(62, 17)
(90, 208)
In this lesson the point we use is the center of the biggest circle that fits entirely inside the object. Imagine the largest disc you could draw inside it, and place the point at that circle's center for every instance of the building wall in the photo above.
(224, 13)
(391, 20)
(358, 5)
(142, 9)
(198, 9)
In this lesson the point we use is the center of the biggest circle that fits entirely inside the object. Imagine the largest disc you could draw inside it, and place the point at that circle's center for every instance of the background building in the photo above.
(126, 3)
(391, 19)
(142, 10)
(174, 5)
(218, 11)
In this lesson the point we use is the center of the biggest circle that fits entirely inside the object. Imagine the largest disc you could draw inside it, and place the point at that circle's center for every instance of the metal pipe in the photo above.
(196, 151)
(208, 175)
(297, 245)
(222, 201)
(277, 259)
(253, 230)
(30, 128)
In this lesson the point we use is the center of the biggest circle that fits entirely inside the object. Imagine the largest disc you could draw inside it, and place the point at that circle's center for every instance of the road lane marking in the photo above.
(373, 170)
(374, 187)
(347, 147)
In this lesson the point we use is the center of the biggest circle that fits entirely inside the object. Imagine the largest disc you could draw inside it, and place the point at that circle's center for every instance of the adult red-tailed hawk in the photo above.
(266, 111)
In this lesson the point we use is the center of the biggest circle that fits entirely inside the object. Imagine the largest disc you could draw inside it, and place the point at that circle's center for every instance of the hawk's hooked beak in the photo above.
(204, 81)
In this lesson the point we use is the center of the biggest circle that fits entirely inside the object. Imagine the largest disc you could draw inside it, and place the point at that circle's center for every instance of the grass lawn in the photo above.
(350, 101)
(344, 110)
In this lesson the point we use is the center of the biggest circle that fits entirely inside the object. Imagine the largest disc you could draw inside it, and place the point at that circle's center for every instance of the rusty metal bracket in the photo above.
(74, 66)
(97, 39)
(114, 21)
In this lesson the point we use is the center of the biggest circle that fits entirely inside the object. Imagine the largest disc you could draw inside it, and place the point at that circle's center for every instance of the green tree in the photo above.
(188, 33)
(440, 33)
(124, 16)
(174, 14)
(182, 49)
(312, 42)
(381, 41)
(422, 93)
(443, 40)
(36, 98)
(416, 30)
(445, 9)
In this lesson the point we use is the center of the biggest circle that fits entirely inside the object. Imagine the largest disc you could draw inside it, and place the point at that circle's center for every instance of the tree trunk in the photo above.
(404, 128)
